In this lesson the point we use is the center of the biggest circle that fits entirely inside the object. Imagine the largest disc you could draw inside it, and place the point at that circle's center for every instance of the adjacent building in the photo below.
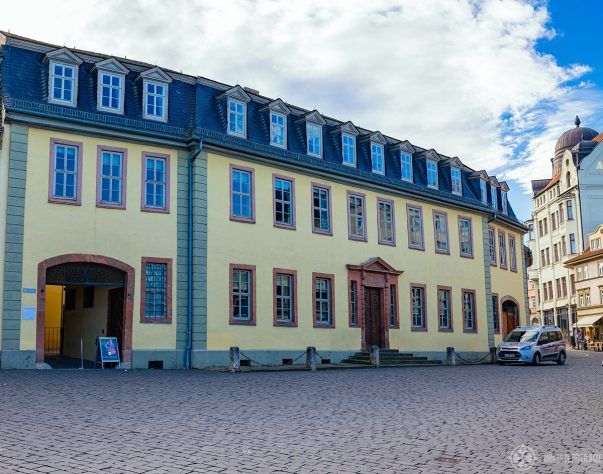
(185, 216)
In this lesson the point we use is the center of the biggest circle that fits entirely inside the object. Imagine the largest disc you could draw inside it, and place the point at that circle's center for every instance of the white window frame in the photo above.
(243, 116)
(505, 203)
(454, 170)
(318, 127)
(494, 196)
(483, 188)
(52, 76)
(164, 115)
(377, 146)
(402, 160)
(435, 164)
(350, 147)
(99, 95)
(273, 126)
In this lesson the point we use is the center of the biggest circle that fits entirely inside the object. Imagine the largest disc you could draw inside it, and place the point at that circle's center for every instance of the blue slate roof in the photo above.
(195, 111)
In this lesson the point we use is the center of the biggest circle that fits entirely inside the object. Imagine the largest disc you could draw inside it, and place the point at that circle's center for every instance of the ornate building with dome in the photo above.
(566, 208)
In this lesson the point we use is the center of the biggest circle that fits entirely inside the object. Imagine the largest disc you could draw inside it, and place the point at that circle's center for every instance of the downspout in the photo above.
(189, 327)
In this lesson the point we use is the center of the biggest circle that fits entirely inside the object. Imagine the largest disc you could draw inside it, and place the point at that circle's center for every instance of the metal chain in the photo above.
(472, 361)
(253, 361)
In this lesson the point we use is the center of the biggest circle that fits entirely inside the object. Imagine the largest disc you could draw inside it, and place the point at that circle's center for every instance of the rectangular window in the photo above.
(406, 165)
(572, 244)
(314, 135)
(444, 309)
(558, 287)
(356, 217)
(393, 306)
(601, 270)
(465, 237)
(65, 172)
(573, 283)
(62, 83)
(110, 96)
(586, 272)
(561, 213)
(483, 191)
(547, 256)
(502, 249)
(88, 296)
(278, 130)
(455, 176)
(579, 273)
(494, 196)
(377, 158)
(385, 216)
(155, 100)
(553, 221)
(531, 232)
(348, 149)
(417, 303)
(587, 298)
(242, 294)
(321, 209)
(242, 194)
(492, 245)
(545, 221)
(555, 252)
(415, 227)
(236, 118)
(550, 288)
(495, 315)
(156, 300)
(512, 254)
(323, 300)
(284, 201)
(544, 292)
(111, 177)
(570, 211)
(563, 246)
(440, 230)
(432, 174)
(353, 303)
(564, 286)
(285, 297)
(469, 322)
(505, 203)
(156, 178)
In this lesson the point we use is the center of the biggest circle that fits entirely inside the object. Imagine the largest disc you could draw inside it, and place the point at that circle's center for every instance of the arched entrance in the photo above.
(73, 271)
(510, 314)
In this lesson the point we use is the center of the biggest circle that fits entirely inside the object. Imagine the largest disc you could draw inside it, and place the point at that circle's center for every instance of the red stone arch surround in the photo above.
(504, 327)
(85, 258)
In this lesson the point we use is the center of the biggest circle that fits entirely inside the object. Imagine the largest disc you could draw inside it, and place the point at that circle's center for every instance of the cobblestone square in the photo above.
(434, 419)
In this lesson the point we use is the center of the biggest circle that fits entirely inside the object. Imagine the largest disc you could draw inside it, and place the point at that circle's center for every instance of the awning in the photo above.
(586, 321)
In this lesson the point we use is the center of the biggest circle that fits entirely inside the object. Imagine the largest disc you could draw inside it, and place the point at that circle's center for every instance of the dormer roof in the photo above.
(347, 127)
(481, 174)
(375, 137)
(432, 155)
(455, 162)
(313, 117)
(155, 74)
(277, 106)
(236, 93)
(504, 186)
(404, 146)
(494, 182)
(63, 55)
(111, 65)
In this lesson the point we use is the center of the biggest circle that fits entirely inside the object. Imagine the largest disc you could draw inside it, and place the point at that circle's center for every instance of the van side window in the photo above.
(544, 338)
(559, 335)
(553, 337)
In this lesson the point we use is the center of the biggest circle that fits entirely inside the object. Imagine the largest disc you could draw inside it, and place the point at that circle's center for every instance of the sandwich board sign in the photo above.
(107, 351)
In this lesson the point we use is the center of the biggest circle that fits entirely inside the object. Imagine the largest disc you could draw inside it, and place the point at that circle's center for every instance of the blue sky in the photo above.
(494, 82)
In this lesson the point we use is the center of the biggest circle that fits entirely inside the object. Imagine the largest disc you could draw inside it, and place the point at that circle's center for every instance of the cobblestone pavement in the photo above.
(464, 419)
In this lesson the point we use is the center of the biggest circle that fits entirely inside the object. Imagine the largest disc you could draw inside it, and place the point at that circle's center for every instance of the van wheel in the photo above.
(561, 358)
(536, 359)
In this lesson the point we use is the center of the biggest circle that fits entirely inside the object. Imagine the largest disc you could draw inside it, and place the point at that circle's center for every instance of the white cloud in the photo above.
(440, 73)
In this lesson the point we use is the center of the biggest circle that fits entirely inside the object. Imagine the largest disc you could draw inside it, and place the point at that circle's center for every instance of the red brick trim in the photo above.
(435, 234)
(143, 206)
(380, 240)
(242, 322)
(495, 262)
(330, 277)
(85, 258)
(124, 176)
(500, 250)
(315, 230)
(251, 171)
(362, 196)
(463, 291)
(143, 289)
(292, 181)
(414, 246)
(293, 274)
(450, 327)
(78, 190)
(424, 327)
(503, 326)
(460, 219)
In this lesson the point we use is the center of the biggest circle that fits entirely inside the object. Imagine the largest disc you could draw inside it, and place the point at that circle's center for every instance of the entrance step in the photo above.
(390, 358)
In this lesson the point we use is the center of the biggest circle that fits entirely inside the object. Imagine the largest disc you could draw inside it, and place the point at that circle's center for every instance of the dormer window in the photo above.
(110, 86)
(455, 178)
(314, 134)
(377, 158)
(237, 112)
(62, 77)
(155, 87)
(348, 149)
(505, 205)
(278, 130)
(494, 202)
(484, 191)
(406, 165)
(432, 174)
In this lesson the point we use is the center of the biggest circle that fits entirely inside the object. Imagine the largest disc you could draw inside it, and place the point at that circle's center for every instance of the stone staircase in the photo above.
(390, 358)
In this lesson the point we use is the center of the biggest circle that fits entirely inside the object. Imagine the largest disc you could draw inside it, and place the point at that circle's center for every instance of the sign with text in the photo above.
(108, 349)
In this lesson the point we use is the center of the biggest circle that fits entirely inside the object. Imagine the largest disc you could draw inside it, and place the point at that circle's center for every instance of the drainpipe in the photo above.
(189, 327)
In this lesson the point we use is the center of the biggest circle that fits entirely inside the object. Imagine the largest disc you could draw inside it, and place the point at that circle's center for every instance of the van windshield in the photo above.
(522, 336)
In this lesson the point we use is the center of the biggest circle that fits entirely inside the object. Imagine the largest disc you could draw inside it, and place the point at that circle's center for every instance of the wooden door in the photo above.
(510, 321)
(115, 316)
(373, 317)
